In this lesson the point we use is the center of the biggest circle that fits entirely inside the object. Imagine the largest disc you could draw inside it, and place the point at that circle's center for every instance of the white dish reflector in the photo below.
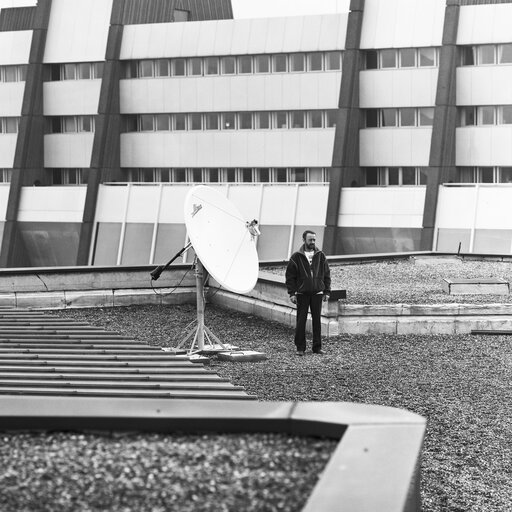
(221, 239)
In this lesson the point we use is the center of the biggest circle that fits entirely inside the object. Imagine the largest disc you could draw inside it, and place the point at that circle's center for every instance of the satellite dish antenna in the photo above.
(225, 245)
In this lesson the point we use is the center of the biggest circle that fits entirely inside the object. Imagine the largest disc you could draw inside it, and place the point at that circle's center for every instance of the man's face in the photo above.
(310, 241)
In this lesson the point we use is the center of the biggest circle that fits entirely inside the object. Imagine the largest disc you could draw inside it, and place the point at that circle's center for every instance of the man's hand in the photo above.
(325, 298)
(293, 298)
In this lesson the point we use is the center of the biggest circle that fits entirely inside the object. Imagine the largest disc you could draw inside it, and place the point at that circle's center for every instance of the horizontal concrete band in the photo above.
(375, 462)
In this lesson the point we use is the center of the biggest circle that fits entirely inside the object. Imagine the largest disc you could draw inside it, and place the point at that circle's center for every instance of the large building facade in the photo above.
(387, 128)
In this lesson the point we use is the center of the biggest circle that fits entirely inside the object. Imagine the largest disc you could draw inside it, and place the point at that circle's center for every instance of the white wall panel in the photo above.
(11, 98)
(4, 198)
(384, 147)
(455, 207)
(52, 204)
(17, 3)
(143, 203)
(111, 203)
(222, 94)
(71, 97)
(7, 149)
(246, 198)
(484, 85)
(402, 23)
(235, 37)
(68, 150)
(382, 207)
(484, 24)
(382, 88)
(312, 205)
(279, 148)
(277, 205)
(484, 146)
(494, 207)
(15, 47)
(78, 30)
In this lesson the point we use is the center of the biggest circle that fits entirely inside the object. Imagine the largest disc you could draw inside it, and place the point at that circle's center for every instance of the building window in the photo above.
(9, 124)
(407, 58)
(297, 62)
(297, 119)
(245, 121)
(396, 176)
(280, 120)
(262, 120)
(228, 121)
(315, 61)
(390, 58)
(195, 66)
(178, 67)
(162, 67)
(13, 73)
(332, 61)
(212, 121)
(404, 117)
(195, 122)
(427, 57)
(162, 122)
(84, 71)
(69, 177)
(228, 65)
(262, 64)
(211, 66)
(280, 63)
(5, 175)
(71, 124)
(486, 54)
(245, 64)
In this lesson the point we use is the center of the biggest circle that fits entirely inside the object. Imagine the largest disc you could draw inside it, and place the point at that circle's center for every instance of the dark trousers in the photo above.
(305, 303)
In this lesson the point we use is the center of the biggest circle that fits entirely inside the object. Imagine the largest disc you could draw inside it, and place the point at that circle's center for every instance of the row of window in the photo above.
(486, 54)
(396, 176)
(256, 175)
(472, 116)
(13, 73)
(230, 121)
(69, 124)
(76, 71)
(402, 58)
(5, 175)
(234, 65)
(9, 124)
(484, 174)
(393, 117)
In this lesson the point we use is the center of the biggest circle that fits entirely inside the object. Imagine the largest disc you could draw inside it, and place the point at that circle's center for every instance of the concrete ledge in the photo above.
(476, 286)
(373, 468)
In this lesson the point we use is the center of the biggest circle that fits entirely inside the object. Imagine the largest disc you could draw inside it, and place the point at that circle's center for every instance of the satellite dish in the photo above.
(223, 241)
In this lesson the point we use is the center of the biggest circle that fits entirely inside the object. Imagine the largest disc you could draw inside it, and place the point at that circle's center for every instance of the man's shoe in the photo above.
(300, 352)
(319, 352)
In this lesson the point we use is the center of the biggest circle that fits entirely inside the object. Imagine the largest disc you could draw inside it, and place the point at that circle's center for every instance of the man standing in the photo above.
(308, 280)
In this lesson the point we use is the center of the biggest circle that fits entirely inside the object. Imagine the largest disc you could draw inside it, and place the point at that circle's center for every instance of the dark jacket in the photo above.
(309, 280)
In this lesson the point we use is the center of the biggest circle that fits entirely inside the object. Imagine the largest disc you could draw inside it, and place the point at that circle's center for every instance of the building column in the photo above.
(346, 170)
(442, 165)
(28, 168)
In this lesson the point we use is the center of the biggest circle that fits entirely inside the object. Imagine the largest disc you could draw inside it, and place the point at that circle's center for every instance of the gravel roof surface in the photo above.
(403, 281)
(461, 384)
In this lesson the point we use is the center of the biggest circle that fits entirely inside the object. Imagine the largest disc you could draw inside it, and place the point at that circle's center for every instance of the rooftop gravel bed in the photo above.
(461, 384)
(407, 282)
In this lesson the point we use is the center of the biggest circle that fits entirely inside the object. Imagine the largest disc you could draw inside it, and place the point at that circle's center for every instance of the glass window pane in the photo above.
(423, 175)
(178, 67)
(228, 121)
(506, 114)
(213, 175)
(505, 53)
(281, 120)
(10, 74)
(407, 57)
(263, 120)
(83, 71)
(297, 119)
(146, 123)
(393, 174)
(372, 118)
(163, 122)
(11, 124)
(332, 60)
(68, 71)
(263, 175)
(211, 66)
(506, 175)
(486, 54)
(228, 65)
(86, 124)
(280, 63)
(245, 121)
(298, 175)
(196, 175)
(315, 61)
(485, 115)
(316, 175)
(145, 68)
(179, 175)
(195, 66)
(245, 64)
(388, 117)
(231, 175)
(68, 124)
(371, 176)
(486, 175)
(195, 121)
(331, 118)
(212, 121)
(467, 116)
(280, 175)
(372, 60)
(427, 116)
(407, 116)
(98, 70)
(315, 119)
(468, 55)
(427, 57)
(388, 58)
(262, 63)
(246, 175)
(408, 176)
(162, 67)
(180, 121)
(297, 62)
